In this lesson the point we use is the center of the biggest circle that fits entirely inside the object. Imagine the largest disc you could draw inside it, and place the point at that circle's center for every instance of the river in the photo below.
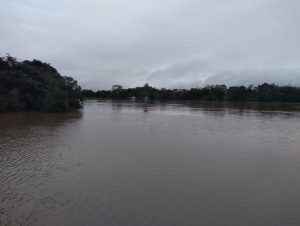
(120, 163)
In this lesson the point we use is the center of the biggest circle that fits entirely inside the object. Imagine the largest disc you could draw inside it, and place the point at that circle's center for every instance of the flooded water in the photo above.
(162, 164)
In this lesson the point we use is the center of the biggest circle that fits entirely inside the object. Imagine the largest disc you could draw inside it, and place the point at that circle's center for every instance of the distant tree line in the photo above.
(35, 86)
(261, 93)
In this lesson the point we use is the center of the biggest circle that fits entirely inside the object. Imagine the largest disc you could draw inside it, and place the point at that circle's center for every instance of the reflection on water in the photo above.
(209, 106)
(156, 163)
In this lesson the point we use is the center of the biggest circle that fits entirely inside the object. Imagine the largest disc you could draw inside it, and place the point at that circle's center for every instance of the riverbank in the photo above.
(261, 93)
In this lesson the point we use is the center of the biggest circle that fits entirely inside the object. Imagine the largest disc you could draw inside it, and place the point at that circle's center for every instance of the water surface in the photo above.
(163, 164)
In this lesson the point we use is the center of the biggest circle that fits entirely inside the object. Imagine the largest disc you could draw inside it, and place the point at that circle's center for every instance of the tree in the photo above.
(36, 86)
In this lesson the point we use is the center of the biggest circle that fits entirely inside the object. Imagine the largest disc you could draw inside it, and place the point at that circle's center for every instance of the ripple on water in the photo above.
(30, 153)
(121, 163)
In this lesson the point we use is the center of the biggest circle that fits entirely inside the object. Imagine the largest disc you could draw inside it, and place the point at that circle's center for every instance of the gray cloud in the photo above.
(170, 43)
(256, 77)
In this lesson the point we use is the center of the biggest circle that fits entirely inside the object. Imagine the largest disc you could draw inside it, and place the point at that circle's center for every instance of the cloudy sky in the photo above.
(167, 43)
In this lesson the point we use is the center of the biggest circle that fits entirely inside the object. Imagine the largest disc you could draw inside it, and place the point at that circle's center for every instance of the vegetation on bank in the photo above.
(261, 93)
(36, 86)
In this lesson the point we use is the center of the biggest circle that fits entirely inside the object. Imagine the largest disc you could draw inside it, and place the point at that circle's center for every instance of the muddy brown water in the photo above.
(119, 163)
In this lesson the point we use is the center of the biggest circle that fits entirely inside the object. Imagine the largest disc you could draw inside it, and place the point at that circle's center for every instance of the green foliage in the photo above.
(237, 93)
(262, 93)
(36, 86)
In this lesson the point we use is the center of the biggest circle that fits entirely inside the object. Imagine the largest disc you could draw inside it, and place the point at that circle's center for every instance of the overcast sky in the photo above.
(167, 43)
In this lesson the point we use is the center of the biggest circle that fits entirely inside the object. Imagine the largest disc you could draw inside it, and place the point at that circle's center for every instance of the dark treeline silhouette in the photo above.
(261, 93)
(35, 86)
